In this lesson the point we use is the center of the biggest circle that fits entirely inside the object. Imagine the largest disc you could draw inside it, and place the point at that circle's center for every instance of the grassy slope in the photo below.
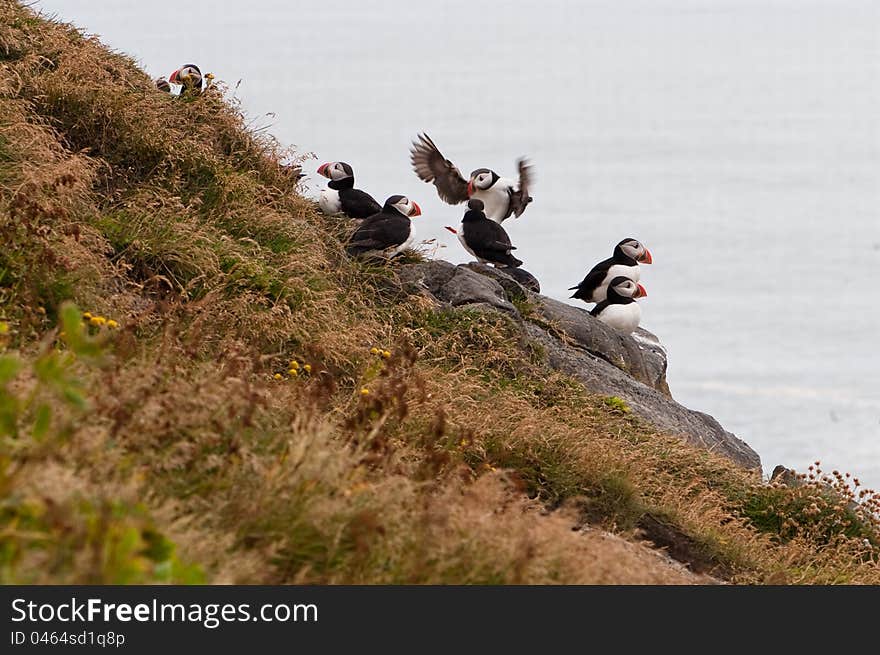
(166, 449)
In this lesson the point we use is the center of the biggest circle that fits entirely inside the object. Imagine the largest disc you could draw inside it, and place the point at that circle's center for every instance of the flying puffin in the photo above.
(623, 262)
(484, 239)
(189, 76)
(389, 232)
(502, 197)
(619, 309)
(340, 194)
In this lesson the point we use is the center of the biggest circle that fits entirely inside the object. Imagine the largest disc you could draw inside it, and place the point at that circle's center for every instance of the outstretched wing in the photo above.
(519, 197)
(431, 166)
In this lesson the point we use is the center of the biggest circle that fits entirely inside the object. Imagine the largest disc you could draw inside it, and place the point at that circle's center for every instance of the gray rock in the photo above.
(631, 367)
(659, 409)
(457, 285)
(646, 363)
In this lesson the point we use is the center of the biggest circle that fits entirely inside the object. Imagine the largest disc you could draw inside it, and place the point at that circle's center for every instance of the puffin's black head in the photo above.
(631, 249)
(402, 205)
(481, 179)
(336, 171)
(474, 211)
(622, 287)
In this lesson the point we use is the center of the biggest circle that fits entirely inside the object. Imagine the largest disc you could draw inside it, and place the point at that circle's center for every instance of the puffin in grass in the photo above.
(387, 233)
(190, 79)
(485, 239)
(620, 309)
(340, 196)
(624, 261)
(501, 197)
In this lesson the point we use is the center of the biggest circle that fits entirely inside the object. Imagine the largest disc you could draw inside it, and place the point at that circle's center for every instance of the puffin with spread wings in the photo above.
(501, 197)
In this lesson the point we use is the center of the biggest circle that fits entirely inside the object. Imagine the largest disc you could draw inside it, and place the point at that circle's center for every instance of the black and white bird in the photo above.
(625, 260)
(484, 239)
(389, 232)
(340, 196)
(190, 78)
(501, 197)
(620, 309)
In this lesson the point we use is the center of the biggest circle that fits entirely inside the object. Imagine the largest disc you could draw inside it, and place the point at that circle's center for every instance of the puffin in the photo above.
(619, 309)
(502, 197)
(625, 260)
(189, 77)
(484, 239)
(340, 194)
(388, 232)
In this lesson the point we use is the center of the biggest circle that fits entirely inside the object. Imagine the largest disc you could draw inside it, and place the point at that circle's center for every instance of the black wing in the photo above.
(431, 166)
(592, 281)
(519, 197)
(358, 204)
(378, 233)
(490, 241)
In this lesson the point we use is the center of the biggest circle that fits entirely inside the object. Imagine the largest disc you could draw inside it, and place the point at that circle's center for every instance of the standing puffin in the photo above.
(484, 239)
(389, 232)
(619, 309)
(189, 77)
(623, 262)
(340, 194)
(501, 197)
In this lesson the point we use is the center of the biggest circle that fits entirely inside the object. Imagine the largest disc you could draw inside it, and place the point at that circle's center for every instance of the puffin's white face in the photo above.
(336, 171)
(483, 180)
(191, 75)
(637, 251)
(627, 288)
(407, 207)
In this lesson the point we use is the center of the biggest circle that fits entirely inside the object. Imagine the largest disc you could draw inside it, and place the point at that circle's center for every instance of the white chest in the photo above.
(496, 199)
(329, 201)
(623, 318)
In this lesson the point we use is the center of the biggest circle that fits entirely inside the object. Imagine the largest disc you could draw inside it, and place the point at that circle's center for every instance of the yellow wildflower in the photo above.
(112, 324)
(386, 354)
(97, 320)
(365, 391)
(307, 368)
(293, 372)
(4, 327)
(374, 350)
(87, 315)
(277, 376)
(294, 364)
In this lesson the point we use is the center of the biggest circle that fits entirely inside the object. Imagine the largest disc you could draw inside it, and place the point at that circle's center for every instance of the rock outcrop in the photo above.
(632, 368)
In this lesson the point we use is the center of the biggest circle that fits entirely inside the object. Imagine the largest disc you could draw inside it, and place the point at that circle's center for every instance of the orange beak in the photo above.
(470, 189)
(416, 210)
(641, 293)
(452, 229)
(322, 170)
(646, 258)
(173, 77)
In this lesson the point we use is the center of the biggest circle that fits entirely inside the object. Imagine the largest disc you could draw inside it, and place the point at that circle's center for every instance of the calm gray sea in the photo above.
(739, 139)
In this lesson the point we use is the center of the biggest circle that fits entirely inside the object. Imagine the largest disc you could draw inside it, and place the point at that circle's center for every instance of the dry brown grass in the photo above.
(467, 461)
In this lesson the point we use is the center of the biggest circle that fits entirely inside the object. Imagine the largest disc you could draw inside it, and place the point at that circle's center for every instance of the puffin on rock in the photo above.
(484, 239)
(340, 194)
(619, 309)
(389, 232)
(501, 197)
(623, 262)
